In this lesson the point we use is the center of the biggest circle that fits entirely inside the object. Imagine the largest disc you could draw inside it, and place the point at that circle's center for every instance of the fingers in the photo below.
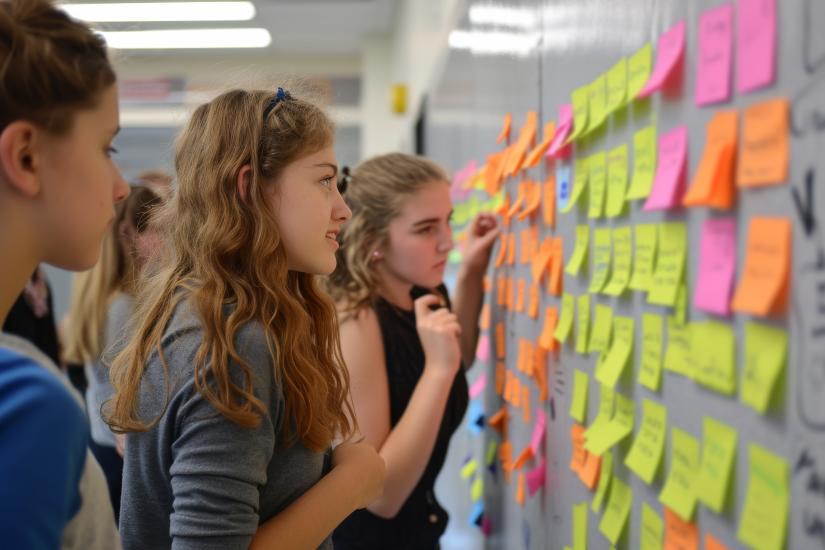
(422, 305)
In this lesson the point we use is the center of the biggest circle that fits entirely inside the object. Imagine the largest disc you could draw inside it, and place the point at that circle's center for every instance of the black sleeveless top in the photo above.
(421, 521)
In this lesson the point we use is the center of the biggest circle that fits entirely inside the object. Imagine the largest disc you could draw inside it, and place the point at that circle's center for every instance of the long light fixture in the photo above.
(160, 11)
(494, 42)
(187, 39)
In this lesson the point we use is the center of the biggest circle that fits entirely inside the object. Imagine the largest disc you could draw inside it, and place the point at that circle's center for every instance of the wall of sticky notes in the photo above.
(654, 369)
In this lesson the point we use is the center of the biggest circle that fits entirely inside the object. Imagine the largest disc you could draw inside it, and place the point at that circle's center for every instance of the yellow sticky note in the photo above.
(764, 519)
(616, 181)
(469, 469)
(579, 256)
(602, 328)
(766, 351)
(718, 456)
(616, 85)
(610, 369)
(578, 405)
(580, 526)
(580, 176)
(645, 256)
(610, 433)
(602, 248)
(605, 475)
(646, 452)
(580, 98)
(618, 510)
(677, 356)
(670, 264)
(650, 369)
(644, 163)
(652, 529)
(597, 183)
(568, 310)
(713, 352)
(622, 261)
(598, 102)
(679, 492)
(583, 324)
(607, 400)
(638, 70)
(477, 489)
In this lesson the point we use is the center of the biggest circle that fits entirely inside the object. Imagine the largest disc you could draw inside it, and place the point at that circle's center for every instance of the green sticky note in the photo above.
(670, 264)
(718, 456)
(766, 350)
(679, 492)
(638, 70)
(616, 181)
(597, 182)
(580, 174)
(652, 529)
(469, 469)
(681, 303)
(568, 310)
(602, 248)
(617, 85)
(578, 405)
(492, 447)
(598, 102)
(713, 352)
(764, 519)
(605, 475)
(650, 370)
(616, 359)
(645, 256)
(580, 526)
(584, 323)
(622, 261)
(646, 452)
(580, 98)
(618, 510)
(477, 489)
(610, 433)
(602, 328)
(579, 256)
(677, 356)
(644, 163)
(607, 400)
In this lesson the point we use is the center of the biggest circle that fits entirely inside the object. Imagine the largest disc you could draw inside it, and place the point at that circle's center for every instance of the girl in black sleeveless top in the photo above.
(404, 354)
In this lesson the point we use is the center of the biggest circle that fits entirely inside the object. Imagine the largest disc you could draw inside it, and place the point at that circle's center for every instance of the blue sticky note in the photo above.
(475, 417)
(564, 186)
(477, 514)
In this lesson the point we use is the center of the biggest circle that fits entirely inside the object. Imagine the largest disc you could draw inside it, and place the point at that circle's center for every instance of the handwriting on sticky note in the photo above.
(645, 254)
(713, 353)
(766, 350)
(713, 183)
(679, 533)
(756, 44)
(644, 163)
(597, 182)
(579, 256)
(578, 405)
(639, 67)
(600, 438)
(718, 457)
(602, 328)
(564, 187)
(616, 181)
(598, 102)
(580, 98)
(619, 504)
(616, 85)
(717, 266)
(715, 55)
(650, 370)
(677, 356)
(652, 529)
(765, 151)
(669, 184)
(579, 455)
(679, 492)
(646, 452)
(568, 311)
(605, 476)
(580, 526)
(670, 264)
(612, 363)
(602, 248)
(583, 311)
(669, 53)
(763, 287)
(764, 519)
(622, 261)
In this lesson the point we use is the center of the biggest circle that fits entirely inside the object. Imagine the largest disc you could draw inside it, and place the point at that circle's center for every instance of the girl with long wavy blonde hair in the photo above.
(233, 387)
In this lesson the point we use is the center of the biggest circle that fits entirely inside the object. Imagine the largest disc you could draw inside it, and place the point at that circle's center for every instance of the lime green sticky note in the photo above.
(646, 452)
(568, 310)
(680, 311)
(597, 182)
(677, 356)
(618, 510)
(598, 102)
(650, 369)
(638, 70)
(469, 469)
(617, 85)
(578, 405)
(602, 248)
(602, 328)
(580, 174)
(670, 264)
(607, 400)
(718, 456)
(644, 163)
(613, 431)
(580, 98)
(477, 489)
(622, 260)
(652, 529)
(713, 352)
(580, 526)
(583, 324)
(766, 350)
(645, 256)
(615, 360)
(679, 492)
(605, 475)
(460, 213)
(764, 519)
(579, 256)
(492, 447)
(616, 181)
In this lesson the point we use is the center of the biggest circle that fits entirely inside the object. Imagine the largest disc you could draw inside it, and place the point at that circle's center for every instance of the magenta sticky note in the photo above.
(486, 526)
(537, 477)
(671, 161)
(715, 56)
(483, 348)
(717, 266)
(539, 429)
(756, 44)
(562, 131)
(669, 52)
(478, 386)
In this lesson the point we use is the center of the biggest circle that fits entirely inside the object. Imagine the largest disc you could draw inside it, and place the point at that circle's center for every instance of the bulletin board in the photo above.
(651, 371)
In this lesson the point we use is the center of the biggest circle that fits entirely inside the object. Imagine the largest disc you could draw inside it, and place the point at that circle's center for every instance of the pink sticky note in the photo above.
(537, 477)
(669, 52)
(483, 348)
(562, 131)
(539, 430)
(669, 185)
(756, 44)
(715, 55)
(486, 526)
(478, 386)
(717, 265)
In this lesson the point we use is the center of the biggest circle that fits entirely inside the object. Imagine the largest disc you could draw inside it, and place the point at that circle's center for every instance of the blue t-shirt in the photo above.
(43, 439)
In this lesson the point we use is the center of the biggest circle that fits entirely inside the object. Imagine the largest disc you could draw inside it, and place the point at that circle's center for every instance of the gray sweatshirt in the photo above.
(196, 480)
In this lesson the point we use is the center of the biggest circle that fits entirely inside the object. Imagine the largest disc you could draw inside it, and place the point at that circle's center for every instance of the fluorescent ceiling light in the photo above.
(187, 39)
(161, 11)
(494, 42)
(518, 18)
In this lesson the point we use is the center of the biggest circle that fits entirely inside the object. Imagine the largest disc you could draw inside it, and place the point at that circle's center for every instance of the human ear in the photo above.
(18, 148)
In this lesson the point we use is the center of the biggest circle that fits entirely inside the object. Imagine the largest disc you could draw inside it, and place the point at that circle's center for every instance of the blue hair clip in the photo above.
(280, 95)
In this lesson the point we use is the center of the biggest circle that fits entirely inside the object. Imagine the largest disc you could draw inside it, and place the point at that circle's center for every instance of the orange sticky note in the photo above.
(511, 294)
(511, 249)
(554, 285)
(579, 456)
(546, 339)
(521, 196)
(501, 286)
(520, 358)
(493, 173)
(549, 209)
(533, 201)
(520, 489)
(538, 151)
(533, 243)
(500, 340)
(763, 158)
(713, 184)
(487, 283)
(524, 257)
(518, 150)
(540, 372)
(505, 455)
(503, 241)
(499, 377)
(499, 421)
(505, 130)
(529, 357)
(522, 459)
(680, 534)
(763, 287)
(515, 396)
(589, 473)
(520, 295)
(541, 259)
(533, 304)
(525, 403)
(503, 208)
(711, 543)
(484, 317)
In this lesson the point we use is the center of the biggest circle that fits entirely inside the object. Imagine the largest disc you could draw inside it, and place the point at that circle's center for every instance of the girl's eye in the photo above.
(426, 230)
(110, 151)
(327, 182)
